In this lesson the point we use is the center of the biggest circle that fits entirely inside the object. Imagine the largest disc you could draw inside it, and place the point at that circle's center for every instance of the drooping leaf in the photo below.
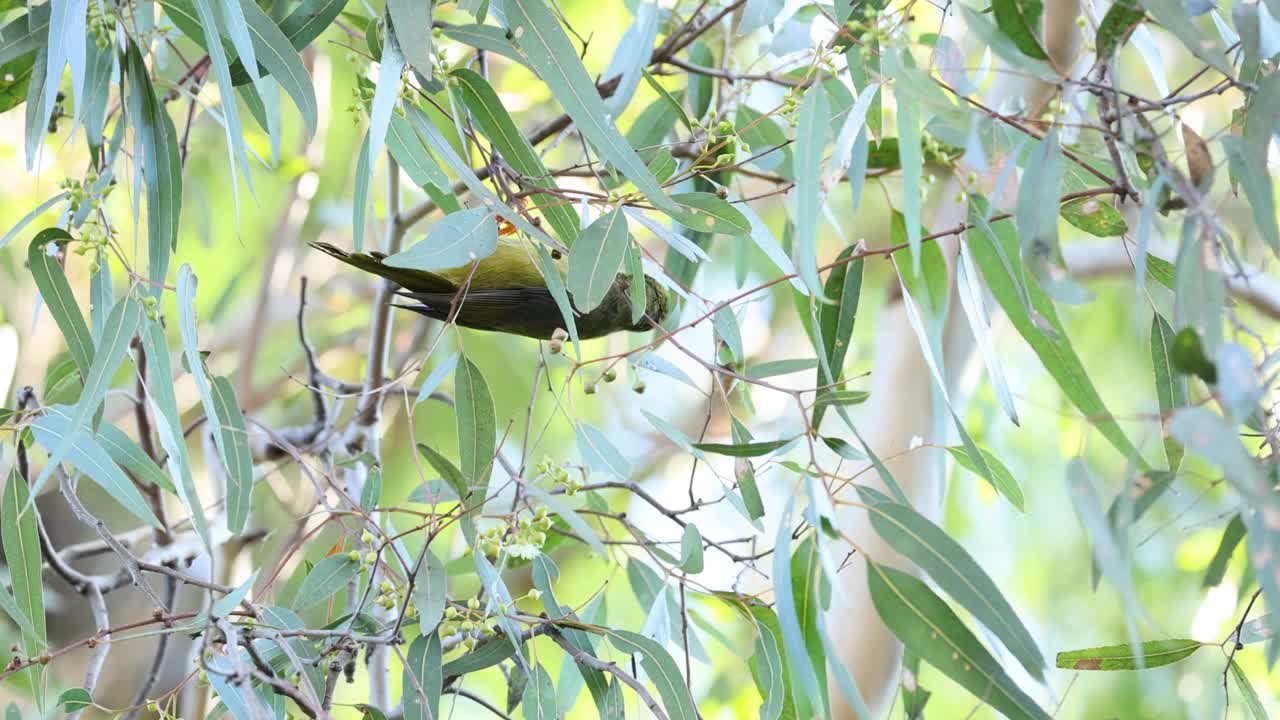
(1171, 387)
(661, 670)
(423, 679)
(952, 568)
(18, 532)
(238, 459)
(844, 289)
(992, 245)
(537, 33)
(931, 629)
(540, 696)
(429, 591)
(57, 296)
(1231, 537)
(812, 135)
(476, 424)
(492, 119)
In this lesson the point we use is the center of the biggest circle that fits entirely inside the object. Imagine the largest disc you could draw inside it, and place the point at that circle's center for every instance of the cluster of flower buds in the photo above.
(470, 621)
(102, 23)
(524, 540)
(723, 140)
(557, 474)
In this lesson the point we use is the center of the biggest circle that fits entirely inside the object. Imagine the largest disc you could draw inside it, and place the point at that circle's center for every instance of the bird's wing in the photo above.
(529, 311)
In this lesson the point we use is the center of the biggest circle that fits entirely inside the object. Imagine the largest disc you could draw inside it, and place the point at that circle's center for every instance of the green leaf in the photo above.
(492, 119)
(540, 696)
(164, 408)
(991, 246)
(1094, 217)
(25, 33)
(56, 294)
(946, 561)
(770, 674)
(476, 424)
(238, 459)
(328, 577)
(691, 550)
(726, 325)
(1121, 18)
(412, 24)
(485, 37)
(457, 240)
(1171, 388)
(661, 670)
(708, 212)
(487, 654)
(595, 259)
(18, 532)
(540, 39)
(999, 476)
(423, 679)
(755, 449)
(930, 629)
(74, 700)
(429, 591)
(1020, 21)
(599, 454)
(1231, 537)
(54, 429)
(408, 149)
(159, 164)
(544, 572)
(15, 76)
(119, 330)
(835, 322)
(1155, 653)
(1252, 702)
(792, 612)
(453, 477)
(811, 134)
(780, 367)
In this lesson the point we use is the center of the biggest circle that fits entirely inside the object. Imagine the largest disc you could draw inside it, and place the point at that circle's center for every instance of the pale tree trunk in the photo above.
(901, 408)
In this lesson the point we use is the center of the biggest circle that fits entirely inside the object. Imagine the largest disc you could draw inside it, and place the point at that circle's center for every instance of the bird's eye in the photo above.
(555, 254)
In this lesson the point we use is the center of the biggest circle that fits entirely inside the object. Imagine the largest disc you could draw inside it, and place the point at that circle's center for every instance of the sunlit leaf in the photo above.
(1155, 653)
(952, 568)
(930, 629)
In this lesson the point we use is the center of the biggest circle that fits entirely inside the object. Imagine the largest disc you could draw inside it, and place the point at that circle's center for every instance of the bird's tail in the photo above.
(371, 262)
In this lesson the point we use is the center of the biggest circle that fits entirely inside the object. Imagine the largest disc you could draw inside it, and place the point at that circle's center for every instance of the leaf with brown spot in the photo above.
(1155, 653)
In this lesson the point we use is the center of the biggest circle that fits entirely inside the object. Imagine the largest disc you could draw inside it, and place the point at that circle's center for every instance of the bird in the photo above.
(507, 293)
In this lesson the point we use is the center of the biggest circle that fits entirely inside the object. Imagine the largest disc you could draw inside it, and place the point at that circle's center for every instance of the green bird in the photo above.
(507, 293)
